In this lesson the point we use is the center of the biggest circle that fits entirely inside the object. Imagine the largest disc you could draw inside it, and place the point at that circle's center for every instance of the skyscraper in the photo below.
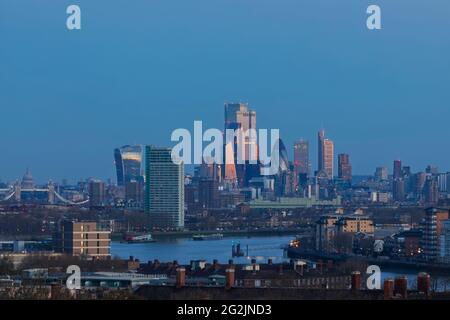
(282, 176)
(134, 194)
(328, 153)
(397, 172)
(442, 182)
(448, 183)
(432, 169)
(97, 193)
(164, 188)
(301, 157)
(325, 155)
(398, 190)
(431, 191)
(128, 160)
(344, 167)
(238, 116)
(419, 184)
(320, 157)
(381, 174)
(208, 193)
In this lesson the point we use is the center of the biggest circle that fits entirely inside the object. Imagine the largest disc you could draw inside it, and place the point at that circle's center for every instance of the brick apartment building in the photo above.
(82, 239)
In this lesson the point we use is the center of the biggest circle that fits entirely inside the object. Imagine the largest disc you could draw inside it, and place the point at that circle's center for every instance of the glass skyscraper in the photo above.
(240, 116)
(344, 167)
(128, 160)
(325, 155)
(301, 157)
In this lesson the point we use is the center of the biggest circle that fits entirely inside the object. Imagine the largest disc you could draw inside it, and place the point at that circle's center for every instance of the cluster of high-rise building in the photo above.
(149, 180)
(234, 182)
(424, 187)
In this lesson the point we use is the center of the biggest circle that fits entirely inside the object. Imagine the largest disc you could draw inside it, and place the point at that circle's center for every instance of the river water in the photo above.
(185, 249)
(260, 248)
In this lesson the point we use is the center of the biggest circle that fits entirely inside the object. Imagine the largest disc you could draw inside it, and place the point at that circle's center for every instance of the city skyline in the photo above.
(299, 66)
(393, 169)
(228, 153)
(396, 164)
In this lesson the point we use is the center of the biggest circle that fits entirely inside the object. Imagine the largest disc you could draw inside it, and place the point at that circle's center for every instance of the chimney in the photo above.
(388, 289)
(181, 277)
(320, 266)
(329, 264)
(269, 261)
(230, 277)
(401, 286)
(356, 281)
(55, 289)
(423, 283)
(215, 264)
(301, 269)
(230, 262)
(131, 258)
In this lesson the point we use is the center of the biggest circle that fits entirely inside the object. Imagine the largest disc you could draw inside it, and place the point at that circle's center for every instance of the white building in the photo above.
(164, 192)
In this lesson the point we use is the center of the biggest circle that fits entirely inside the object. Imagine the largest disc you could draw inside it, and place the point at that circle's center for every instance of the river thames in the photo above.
(185, 249)
(260, 248)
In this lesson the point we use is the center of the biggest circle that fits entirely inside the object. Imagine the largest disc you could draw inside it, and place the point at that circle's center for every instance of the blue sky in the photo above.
(139, 69)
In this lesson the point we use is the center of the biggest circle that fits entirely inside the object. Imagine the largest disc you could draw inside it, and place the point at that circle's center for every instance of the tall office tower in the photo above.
(381, 174)
(448, 182)
(419, 183)
(432, 169)
(229, 166)
(301, 159)
(134, 194)
(97, 194)
(344, 167)
(238, 116)
(128, 160)
(328, 157)
(325, 155)
(164, 188)
(208, 193)
(210, 171)
(397, 173)
(442, 182)
(434, 219)
(431, 191)
(82, 239)
(406, 171)
(320, 157)
(407, 177)
(190, 196)
(282, 176)
(398, 190)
